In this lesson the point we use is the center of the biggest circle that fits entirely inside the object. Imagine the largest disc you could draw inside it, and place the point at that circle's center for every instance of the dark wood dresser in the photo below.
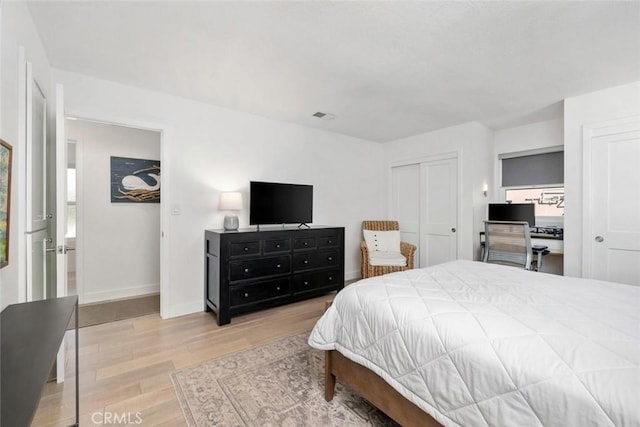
(249, 270)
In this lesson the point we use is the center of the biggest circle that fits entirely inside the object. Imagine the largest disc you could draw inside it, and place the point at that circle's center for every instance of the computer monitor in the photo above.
(513, 212)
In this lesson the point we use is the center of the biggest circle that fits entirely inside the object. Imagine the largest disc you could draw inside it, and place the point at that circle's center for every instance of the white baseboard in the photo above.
(351, 275)
(120, 293)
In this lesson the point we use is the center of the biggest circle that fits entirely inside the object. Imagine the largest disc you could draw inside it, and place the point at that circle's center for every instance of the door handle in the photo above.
(599, 239)
(453, 229)
(61, 249)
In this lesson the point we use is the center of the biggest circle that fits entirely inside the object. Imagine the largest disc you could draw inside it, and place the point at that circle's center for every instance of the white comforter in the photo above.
(477, 344)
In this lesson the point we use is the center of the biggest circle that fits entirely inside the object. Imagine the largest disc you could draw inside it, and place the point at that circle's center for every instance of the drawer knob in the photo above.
(278, 245)
(246, 249)
(330, 258)
(306, 244)
(330, 278)
(277, 288)
(246, 294)
(278, 266)
(330, 241)
(306, 283)
(306, 261)
(246, 270)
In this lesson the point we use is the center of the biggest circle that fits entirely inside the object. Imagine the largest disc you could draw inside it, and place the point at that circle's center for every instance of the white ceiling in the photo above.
(387, 70)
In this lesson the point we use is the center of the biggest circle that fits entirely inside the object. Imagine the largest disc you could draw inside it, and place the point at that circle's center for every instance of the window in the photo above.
(523, 169)
(549, 201)
(536, 176)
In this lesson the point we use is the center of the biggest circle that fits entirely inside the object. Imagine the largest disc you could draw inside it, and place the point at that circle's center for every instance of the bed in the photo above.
(473, 344)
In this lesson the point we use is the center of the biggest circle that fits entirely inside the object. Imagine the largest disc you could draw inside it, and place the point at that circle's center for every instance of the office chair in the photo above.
(508, 243)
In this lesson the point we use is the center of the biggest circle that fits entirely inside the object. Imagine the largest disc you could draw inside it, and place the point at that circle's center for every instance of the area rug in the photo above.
(277, 384)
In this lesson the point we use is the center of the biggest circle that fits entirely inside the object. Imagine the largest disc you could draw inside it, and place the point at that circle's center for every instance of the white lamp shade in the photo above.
(231, 201)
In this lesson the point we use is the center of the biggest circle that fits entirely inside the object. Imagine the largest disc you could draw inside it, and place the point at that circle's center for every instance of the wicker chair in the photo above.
(407, 249)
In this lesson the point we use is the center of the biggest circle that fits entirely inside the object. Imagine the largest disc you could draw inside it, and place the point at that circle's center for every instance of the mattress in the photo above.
(476, 344)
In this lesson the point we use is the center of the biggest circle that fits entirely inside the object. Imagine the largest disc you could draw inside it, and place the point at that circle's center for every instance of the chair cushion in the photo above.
(385, 241)
(380, 258)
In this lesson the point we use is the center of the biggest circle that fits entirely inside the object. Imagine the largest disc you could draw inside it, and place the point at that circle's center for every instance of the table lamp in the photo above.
(231, 201)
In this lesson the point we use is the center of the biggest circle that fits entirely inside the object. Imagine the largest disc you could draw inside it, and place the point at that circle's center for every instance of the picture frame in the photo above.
(6, 151)
(135, 180)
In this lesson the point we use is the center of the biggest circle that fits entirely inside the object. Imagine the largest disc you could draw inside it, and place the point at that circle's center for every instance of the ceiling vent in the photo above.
(324, 116)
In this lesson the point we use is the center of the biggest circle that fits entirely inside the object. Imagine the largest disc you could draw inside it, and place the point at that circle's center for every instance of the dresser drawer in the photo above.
(246, 294)
(321, 259)
(245, 248)
(313, 281)
(272, 246)
(329, 240)
(249, 269)
(302, 243)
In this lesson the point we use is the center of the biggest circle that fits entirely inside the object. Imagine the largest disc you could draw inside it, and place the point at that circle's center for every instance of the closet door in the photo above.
(405, 204)
(424, 200)
(438, 211)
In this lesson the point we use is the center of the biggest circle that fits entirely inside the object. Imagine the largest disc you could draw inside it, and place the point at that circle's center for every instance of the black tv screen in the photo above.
(513, 212)
(276, 203)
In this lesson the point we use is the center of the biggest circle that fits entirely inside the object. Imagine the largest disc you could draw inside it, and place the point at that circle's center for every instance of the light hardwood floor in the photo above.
(125, 365)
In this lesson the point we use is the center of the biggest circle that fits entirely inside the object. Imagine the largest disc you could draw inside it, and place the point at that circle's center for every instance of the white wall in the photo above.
(208, 149)
(474, 144)
(18, 30)
(609, 104)
(118, 243)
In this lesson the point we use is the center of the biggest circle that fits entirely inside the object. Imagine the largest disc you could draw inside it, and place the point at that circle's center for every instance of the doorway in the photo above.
(114, 262)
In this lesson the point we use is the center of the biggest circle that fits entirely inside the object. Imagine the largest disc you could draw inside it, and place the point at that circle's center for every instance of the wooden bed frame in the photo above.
(374, 389)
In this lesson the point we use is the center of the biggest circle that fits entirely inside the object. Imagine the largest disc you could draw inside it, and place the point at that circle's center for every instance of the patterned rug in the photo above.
(277, 384)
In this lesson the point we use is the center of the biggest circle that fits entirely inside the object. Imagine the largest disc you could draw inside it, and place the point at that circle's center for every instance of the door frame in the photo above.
(21, 166)
(590, 131)
(164, 132)
(449, 155)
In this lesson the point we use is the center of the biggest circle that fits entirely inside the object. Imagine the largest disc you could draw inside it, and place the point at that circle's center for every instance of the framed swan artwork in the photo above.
(135, 180)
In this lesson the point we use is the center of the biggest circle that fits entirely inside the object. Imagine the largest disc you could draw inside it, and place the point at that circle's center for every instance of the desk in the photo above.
(554, 243)
(31, 336)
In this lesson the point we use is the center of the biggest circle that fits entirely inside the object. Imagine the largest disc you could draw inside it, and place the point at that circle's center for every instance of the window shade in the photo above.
(535, 169)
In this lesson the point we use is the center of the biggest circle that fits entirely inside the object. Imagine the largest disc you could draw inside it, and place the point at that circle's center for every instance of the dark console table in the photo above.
(249, 270)
(31, 336)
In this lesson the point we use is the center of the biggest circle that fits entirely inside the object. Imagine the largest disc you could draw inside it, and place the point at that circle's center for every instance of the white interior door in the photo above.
(438, 211)
(37, 233)
(61, 214)
(405, 203)
(612, 192)
(61, 194)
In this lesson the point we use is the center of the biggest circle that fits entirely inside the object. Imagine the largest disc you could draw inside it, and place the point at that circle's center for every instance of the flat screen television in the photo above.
(513, 212)
(277, 203)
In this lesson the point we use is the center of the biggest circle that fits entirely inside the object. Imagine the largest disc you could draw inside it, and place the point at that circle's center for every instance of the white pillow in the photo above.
(395, 259)
(384, 241)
